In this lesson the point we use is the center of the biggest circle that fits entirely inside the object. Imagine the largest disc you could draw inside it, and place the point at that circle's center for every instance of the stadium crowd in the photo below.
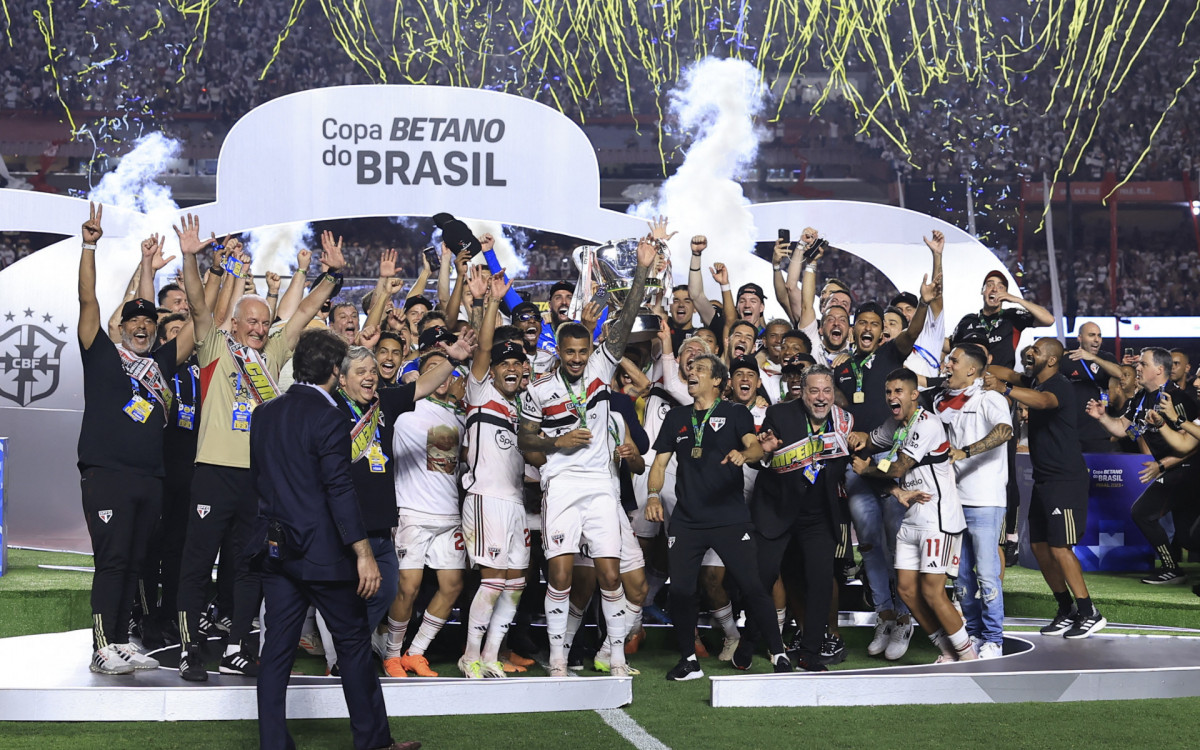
(528, 457)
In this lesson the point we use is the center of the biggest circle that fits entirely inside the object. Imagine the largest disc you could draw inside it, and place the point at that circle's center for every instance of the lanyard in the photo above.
(237, 389)
(698, 429)
(137, 393)
(578, 404)
(860, 371)
(989, 326)
(443, 404)
(902, 434)
(192, 378)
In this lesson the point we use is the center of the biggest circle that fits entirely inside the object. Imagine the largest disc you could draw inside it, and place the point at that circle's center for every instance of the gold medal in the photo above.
(696, 452)
(616, 456)
(884, 465)
(860, 397)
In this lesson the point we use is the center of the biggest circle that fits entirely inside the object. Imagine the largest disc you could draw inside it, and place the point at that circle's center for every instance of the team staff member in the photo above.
(711, 440)
(238, 372)
(796, 502)
(1089, 370)
(125, 402)
(1058, 506)
(313, 546)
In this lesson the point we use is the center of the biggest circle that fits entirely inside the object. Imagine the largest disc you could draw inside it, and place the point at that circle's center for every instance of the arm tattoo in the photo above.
(618, 334)
(529, 439)
(999, 435)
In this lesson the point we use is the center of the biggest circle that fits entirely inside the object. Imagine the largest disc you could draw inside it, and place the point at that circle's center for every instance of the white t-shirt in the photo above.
(926, 357)
(750, 476)
(547, 403)
(969, 416)
(495, 466)
(927, 445)
(425, 453)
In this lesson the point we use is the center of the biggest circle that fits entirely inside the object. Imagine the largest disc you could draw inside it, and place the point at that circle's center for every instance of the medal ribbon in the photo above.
(698, 430)
(902, 434)
(578, 404)
(859, 370)
(366, 427)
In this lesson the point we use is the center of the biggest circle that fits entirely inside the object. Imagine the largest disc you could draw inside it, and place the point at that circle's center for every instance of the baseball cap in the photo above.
(412, 302)
(998, 275)
(743, 363)
(754, 289)
(135, 307)
(562, 286)
(430, 337)
(507, 350)
(905, 298)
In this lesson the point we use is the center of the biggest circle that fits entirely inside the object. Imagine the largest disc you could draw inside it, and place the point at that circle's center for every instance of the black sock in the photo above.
(1064, 601)
(1085, 606)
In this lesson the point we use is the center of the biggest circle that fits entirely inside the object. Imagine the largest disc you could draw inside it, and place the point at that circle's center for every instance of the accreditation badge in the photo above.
(139, 409)
(811, 471)
(186, 417)
(375, 459)
(241, 416)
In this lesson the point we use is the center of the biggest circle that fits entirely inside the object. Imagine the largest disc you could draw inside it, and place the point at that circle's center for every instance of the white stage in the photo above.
(46, 678)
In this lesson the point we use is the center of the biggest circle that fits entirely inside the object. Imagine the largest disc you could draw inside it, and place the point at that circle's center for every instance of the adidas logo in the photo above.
(932, 564)
(1056, 512)
(745, 537)
(556, 611)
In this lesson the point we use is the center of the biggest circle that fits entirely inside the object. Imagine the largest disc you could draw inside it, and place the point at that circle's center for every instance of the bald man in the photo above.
(1058, 506)
(1089, 370)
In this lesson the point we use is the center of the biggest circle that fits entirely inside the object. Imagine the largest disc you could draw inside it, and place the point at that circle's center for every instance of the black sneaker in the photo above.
(224, 625)
(1085, 625)
(804, 665)
(191, 664)
(239, 662)
(1166, 576)
(782, 664)
(1061, 623)
(833, 649)
(1010, 554)
(575, 661)
(686, 669)
(743, 656)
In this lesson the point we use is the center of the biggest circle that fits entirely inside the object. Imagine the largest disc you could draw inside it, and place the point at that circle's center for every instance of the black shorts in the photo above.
(1058, 512)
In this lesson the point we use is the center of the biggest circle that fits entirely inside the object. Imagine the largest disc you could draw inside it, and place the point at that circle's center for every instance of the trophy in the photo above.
(605, 275)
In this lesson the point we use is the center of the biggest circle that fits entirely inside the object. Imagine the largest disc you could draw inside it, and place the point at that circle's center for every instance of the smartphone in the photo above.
(813, 251)
(785, 235)
(600, 297)
(434, 256)
(1128, 352)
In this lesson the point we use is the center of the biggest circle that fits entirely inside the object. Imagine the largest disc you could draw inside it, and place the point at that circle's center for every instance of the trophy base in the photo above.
(645, 328)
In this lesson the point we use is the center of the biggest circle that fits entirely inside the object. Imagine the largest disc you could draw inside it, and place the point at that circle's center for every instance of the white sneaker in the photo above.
(559, 669)
(727, 648)
(898, 640)
(311, 643)
(136, 658)
(492, 669)
(883, 634)
(621, 670)
(110, 661)
(989, 650)
(471, 669)
(944, 659)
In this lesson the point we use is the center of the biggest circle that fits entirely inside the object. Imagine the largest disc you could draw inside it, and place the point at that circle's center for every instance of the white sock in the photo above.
(780, 616)
(395, 641)
(430, 627)
(502, 617)
(612, 604)
(327, 642)
(939, 639)
(574, 621)
(961, 643)
(724, 618)
(633, 618)
(557, 604)
(481, 615)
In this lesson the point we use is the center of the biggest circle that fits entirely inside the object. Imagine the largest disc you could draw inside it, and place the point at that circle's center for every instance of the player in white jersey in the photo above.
(927, 545)
(565, 416)
(493, 513)
(426, 451)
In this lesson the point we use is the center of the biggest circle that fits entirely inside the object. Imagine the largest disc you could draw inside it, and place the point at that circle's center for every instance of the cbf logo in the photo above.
(30, 358)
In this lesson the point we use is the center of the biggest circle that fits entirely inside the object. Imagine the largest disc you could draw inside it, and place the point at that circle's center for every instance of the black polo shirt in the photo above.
(708, 493)
(1002, 330)
(377, 490)
(1143, 402)
(875, 369)
(1054, 435)
(1089, 381)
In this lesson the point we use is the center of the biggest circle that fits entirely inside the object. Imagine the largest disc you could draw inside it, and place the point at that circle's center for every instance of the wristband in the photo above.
(217, 270)
(1161, 469)
(303, 271)
(1008, 390)
(967, 451)
(476, 303)
(272, 294)
(697, 254)
(334, 277)
(89, 246)
(775, 267)
(810, 268)
(724, 287)
(651, 494)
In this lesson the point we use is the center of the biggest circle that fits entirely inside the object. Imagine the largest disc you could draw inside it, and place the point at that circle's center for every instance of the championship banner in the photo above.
(1112, 541)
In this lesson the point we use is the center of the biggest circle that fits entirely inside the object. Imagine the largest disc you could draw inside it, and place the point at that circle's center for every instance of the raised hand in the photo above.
(395, 284)
(487, 241)
(658, 229)
(1165, 404)
(931, 290)
(782, 250)
(462, 348)
(647, 252)
(189, 235)
(303, 259)
(937, 244)
(769, 441)
(368, 336)
(387, 264)
(699, 243)
(331, 254)
(477, 282)
(272, 282)
(719, 273)
(91, 228)
(152, 249)
(500, 285)
(462, 261)
(425, 267)
(590, 315)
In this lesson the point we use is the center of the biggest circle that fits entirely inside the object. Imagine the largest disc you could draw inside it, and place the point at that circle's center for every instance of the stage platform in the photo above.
(1033, 668)
(46, 678)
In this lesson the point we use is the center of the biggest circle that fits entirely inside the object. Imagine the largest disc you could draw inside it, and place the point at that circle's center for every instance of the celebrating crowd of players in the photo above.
(733, 453)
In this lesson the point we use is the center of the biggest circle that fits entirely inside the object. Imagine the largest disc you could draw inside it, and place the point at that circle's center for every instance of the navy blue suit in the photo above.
(300, 463)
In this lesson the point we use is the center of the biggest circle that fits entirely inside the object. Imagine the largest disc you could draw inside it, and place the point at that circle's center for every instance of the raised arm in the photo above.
(418, 287)
(804, 300)
(936, 246)
(930, 291)
(233, 289)
(696, 281)
(308, 308)
(190, 245)
(89, 306)
(454, 308)
(720, 275)
(1041, 315)
(481, 283)
(295, 290)
(215, 277)
(131, 289)
(443, 281)
(383, 288)
(782, 250)
(618, 332)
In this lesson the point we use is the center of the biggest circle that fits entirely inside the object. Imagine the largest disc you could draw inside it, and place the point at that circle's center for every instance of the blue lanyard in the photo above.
(192, 378)
(137, 393)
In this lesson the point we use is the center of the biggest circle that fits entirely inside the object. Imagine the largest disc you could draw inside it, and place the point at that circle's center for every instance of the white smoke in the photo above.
(510, 244)
(275, 248)
(715, 106)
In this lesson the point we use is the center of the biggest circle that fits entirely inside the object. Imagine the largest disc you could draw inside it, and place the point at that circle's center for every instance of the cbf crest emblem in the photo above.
(30, 358)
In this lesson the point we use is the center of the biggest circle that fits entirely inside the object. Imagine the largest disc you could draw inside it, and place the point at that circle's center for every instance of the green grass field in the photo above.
(34, 600)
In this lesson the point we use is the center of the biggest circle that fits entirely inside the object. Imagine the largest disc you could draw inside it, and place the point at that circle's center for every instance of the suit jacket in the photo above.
(300, 464)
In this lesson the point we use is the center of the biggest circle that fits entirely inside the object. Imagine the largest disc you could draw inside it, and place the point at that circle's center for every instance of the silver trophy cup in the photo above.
(605, 275)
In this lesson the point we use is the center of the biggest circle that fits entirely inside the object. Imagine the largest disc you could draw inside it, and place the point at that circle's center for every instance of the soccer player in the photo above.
(566, 417)
(1058, 506)
(978, 423)
(711, 441)
(493, 514)
(930, 535)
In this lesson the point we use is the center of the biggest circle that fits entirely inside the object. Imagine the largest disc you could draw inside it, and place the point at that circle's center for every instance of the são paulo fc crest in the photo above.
(105, 515)
(557, 538)
(716, 423)
(30, 359)
(493, 552)
(203, 510)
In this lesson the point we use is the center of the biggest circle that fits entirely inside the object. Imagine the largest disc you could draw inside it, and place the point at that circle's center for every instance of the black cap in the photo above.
(998, 275)
(869, 307)
(905, 298)
(507, 350)
(414, 301)
(754, 289)
(457, 235)
(135, 307)
(430, 337)
(562, 286)
(743, 363)
(971, 337)
(525, 307)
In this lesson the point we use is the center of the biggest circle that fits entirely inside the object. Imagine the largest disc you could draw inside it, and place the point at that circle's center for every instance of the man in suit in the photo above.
(312, 545)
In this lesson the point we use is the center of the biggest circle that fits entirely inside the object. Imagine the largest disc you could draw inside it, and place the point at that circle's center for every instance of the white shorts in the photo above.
(927, 550)
(581, 515)
(631, 551)
(425, 539)
(495, 532)
(649, 529)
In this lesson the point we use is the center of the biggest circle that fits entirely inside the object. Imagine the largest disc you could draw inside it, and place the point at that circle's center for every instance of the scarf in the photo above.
(145, 371)
(948, 404)
(253, 367)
